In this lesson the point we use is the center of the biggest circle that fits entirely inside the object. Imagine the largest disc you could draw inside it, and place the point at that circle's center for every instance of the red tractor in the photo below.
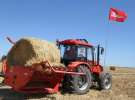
(81, 71)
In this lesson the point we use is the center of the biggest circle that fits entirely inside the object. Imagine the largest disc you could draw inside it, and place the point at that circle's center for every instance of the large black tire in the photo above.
(105, 81)
(77, 83)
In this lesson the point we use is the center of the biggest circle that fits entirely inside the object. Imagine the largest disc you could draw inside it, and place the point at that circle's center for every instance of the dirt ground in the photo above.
(123, 88)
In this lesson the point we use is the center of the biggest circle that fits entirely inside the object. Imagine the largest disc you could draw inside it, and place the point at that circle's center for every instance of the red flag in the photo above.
(117, 15)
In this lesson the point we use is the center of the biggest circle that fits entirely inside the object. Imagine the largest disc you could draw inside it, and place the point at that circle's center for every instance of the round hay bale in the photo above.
(1, 78)
(113, 68)
(0, 66)
(29, 51)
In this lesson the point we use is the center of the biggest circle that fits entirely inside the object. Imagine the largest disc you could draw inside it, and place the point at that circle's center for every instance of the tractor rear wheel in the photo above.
(105, 81)
(80, 84)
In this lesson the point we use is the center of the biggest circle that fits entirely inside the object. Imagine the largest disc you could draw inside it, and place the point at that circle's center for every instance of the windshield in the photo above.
(72, 52)
(68, 52)
(81, 52)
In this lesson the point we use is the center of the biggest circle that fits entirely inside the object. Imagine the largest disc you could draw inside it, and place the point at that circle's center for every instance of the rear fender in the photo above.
(75, 64)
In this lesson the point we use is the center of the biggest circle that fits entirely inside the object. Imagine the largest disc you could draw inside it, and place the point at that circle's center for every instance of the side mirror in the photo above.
(102, 50)
(57, 43)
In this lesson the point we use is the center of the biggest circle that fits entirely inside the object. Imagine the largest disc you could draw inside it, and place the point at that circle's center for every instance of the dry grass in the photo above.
(122, 70)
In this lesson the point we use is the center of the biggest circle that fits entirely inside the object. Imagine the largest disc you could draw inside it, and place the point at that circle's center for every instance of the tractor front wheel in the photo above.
(105, 81)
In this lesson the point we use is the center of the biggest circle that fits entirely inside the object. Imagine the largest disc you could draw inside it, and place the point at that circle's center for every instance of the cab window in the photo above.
(81, 52)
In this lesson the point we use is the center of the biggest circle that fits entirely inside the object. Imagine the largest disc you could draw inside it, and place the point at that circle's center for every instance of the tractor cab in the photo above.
(78, 50)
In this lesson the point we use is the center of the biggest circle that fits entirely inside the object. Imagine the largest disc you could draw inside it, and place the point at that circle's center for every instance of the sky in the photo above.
(71, 19)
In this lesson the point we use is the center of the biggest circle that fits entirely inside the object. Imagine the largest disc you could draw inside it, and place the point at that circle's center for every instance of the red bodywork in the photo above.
(74, 42)
(33, 80)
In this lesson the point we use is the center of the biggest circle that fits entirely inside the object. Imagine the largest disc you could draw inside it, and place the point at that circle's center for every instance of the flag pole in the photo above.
(106, 42)
(105, 56)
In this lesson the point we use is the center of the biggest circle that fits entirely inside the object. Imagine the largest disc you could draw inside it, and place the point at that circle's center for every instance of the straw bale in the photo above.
(113, 68)
(1, 78)
(29, 51)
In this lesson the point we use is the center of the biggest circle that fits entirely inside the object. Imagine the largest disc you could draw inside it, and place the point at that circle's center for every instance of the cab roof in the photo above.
(82, 42)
